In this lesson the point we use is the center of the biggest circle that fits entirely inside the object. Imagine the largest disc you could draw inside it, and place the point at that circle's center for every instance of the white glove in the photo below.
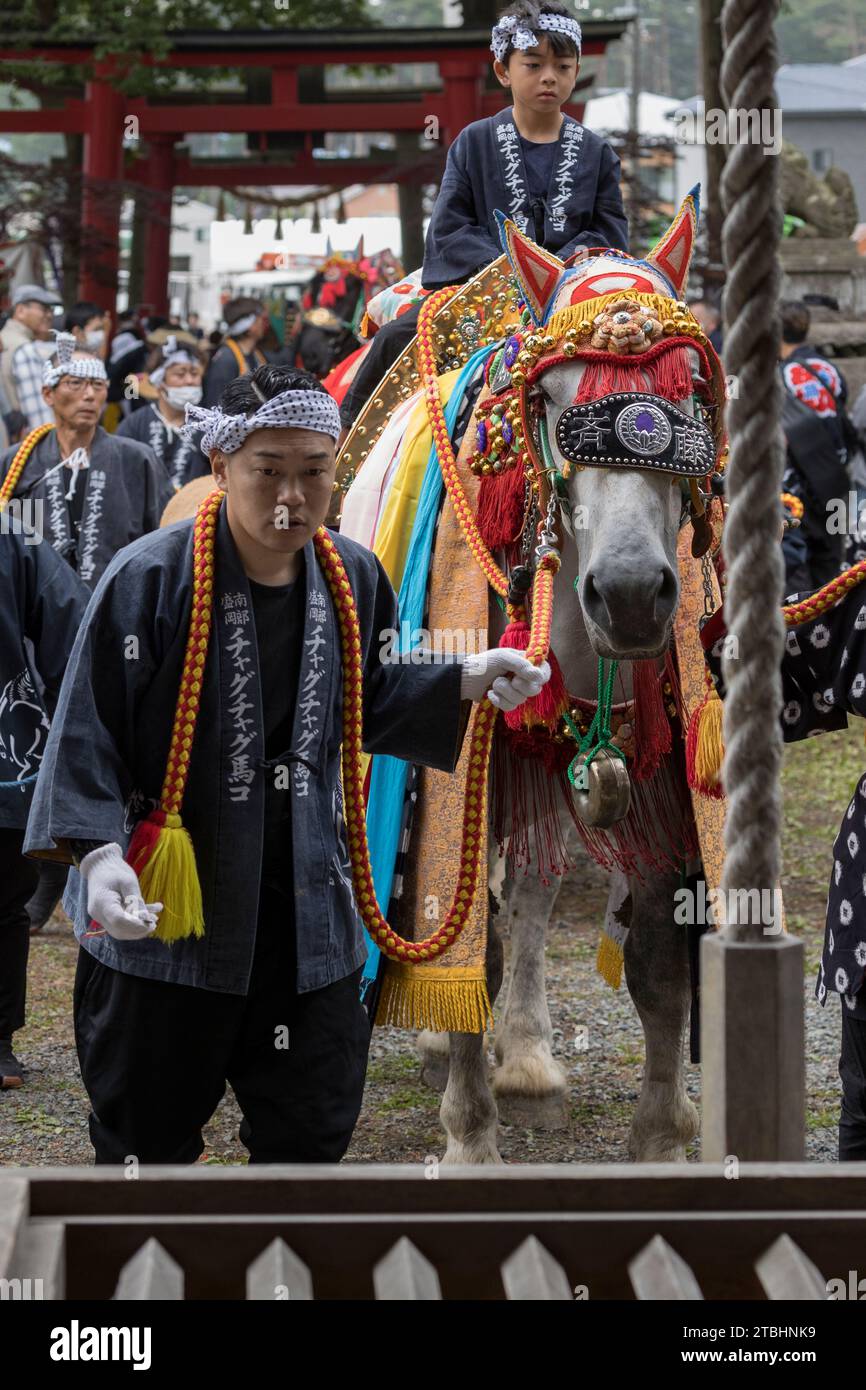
(504, 676)
(114, 895)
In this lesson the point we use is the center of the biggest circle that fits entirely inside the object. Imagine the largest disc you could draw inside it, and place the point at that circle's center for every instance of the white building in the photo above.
(191, 282)
(609, 114)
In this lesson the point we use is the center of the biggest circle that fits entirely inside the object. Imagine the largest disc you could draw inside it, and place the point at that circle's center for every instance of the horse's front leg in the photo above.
(529, 1084)
(657, 973)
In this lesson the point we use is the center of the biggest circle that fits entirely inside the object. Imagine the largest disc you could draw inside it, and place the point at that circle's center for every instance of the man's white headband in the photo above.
(67, 365)
(242, 326)
(171, 355)
(510, 30)
(299, 410)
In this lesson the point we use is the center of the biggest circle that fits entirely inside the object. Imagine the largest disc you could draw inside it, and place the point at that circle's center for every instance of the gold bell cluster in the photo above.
(499, 438)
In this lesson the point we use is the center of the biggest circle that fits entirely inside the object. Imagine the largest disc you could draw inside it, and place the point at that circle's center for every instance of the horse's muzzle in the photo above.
(631, 613)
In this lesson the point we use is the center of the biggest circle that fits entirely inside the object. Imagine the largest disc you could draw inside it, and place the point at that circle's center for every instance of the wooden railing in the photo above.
(651, 1231)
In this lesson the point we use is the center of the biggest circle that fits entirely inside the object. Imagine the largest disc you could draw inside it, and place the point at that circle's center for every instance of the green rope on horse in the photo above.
(599, 734)
(550, 465)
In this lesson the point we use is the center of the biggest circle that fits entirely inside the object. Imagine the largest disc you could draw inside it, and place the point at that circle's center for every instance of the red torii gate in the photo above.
(102, 116)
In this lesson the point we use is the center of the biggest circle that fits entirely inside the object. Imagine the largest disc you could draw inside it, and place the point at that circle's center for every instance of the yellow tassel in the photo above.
(170, 877)
(709, 749)
(443, 1005)
(609, 961)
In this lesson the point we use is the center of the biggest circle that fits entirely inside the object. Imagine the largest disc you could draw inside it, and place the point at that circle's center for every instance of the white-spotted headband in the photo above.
(172, 353)
(299, 410)
(510, 30)
(65, 364)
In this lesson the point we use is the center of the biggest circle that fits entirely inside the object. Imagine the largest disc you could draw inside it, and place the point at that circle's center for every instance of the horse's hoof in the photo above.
(529, 1073)
(533, 1112)
(473, 1154)
(656, 1137)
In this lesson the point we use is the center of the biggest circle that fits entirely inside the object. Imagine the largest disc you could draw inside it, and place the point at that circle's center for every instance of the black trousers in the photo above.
(18, 880)
(155, 1057)
(385, 348)
(852, 1069)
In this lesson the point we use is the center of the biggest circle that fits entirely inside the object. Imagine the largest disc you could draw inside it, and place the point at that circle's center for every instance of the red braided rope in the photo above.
(16, 467)
(426, 358)
(198, 636)
(818, 603)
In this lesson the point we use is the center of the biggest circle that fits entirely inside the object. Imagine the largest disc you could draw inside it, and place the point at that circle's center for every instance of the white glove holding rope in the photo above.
(114, 897)
(504, 676)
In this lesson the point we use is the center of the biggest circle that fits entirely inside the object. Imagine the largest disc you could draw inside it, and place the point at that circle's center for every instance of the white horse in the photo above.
(615, 596)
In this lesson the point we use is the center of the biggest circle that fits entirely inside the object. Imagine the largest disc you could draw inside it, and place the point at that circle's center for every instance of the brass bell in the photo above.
(602, 790)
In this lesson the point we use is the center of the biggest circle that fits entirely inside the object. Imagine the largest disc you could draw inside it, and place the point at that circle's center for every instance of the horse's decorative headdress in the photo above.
(637, 343)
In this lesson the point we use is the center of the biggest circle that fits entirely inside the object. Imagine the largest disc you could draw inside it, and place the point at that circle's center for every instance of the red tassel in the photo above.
(527, 795)
(668, 374)
(144, 839)
(546, 707)
(652, 731)
(500, 507)
(671, 375)
(516, 635)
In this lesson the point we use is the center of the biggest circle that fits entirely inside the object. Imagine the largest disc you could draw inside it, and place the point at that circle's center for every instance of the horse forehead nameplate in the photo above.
(630, 429)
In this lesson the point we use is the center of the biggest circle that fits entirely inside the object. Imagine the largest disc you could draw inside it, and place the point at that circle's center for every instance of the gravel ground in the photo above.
(45, 1122)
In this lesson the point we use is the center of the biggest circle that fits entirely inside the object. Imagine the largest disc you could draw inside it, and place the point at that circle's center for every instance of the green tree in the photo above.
(130, 32)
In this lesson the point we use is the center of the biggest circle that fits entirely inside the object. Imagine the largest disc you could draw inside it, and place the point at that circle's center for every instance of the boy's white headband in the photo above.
(510, 30)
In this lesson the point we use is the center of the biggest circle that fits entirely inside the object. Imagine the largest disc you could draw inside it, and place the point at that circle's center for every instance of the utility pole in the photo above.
(633, 141)
(711, 63)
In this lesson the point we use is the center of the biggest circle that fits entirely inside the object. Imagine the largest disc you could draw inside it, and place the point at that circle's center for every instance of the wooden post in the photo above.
(752, 1033)
(157, 261)
(103, 167)
(752, 1049)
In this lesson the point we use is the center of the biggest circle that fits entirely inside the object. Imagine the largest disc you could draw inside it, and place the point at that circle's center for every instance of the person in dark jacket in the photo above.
(96, 491)
(824, 681)
(818, 438)
(176, 370)
(273, 946)
(248, 324)
(42, 602)
(555, 178)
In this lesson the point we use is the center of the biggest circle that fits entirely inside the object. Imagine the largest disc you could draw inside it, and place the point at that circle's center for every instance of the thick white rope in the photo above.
(750, 244)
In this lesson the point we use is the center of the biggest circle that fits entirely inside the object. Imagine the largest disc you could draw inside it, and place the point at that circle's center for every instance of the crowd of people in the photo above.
(108, 706)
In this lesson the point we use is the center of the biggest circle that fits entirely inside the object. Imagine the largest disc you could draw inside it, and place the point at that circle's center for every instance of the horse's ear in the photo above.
(672, 253)
(329, 250)
(359, 250)
(537, 271)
